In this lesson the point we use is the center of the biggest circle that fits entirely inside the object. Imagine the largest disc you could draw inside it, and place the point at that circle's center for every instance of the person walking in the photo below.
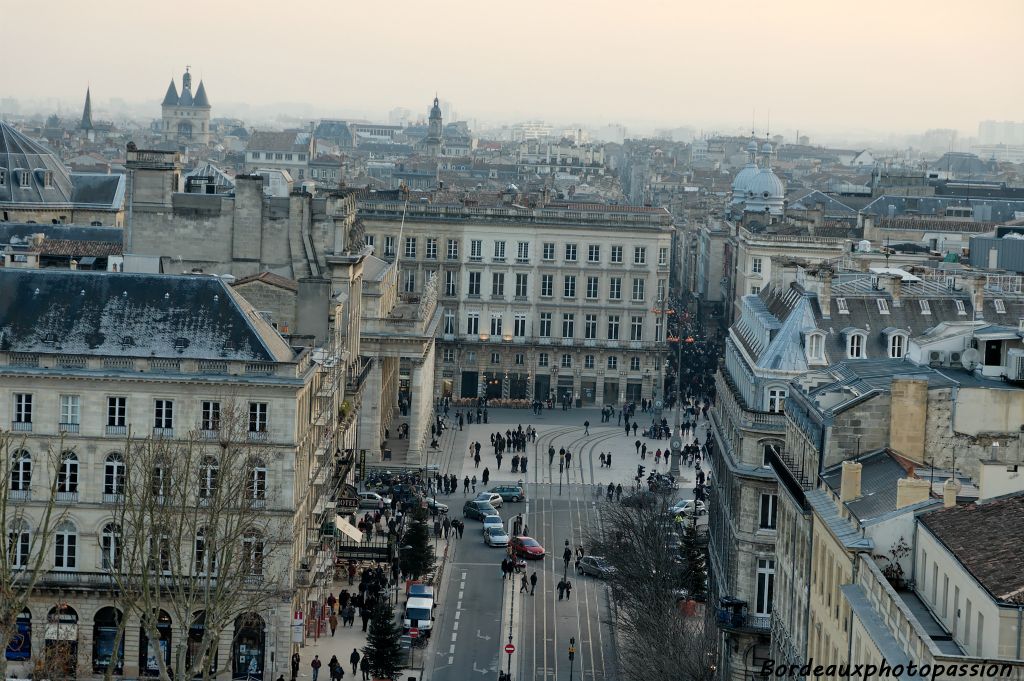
(465, 485)
(498, 457)
(561, 589)
(522, 463)
(354, 659)
(523, 584)
(295, 665)
(533, 582)
(476, 460)
(315, 666)
(586, 427)
(473, 481)
(567, 555)
(487, 475)
(568, 588)
(551, 455)
(333, 622)
(364, 667)
(634, 428)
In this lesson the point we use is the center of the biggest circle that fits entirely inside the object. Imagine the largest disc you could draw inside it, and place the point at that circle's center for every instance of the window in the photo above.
(883, 306)
(18, 542)
(639, 255)
(816, 346)
(567, 361)
(636, 328)
(23, 407)
(70, 412)
(498, 285)
(545, 324)
(548, 251)
(431, 248)
(203, 557)
(495, 358)
(568, 325)
(590, 326)
(769, 504)
(855, 346)
(754, 290)
(476, 249)
(160, 480)
(473, 323)
(163, 414)
(495, 324)
(117, 412)
(661, 292)
(588, 362)
(252, 552)
(113, 475)
(449, 355)
(520, 359)
(616, 254)
(615, 288)
(613, 363)
(110, 546)
(3, 177)
(897, 345)
(638, 290)
(209, 472)
(926, 308)
(258, 417)
(523, 253)
(65, 546)
(662, 257)
(210, 420)
(474, 283)
(499, 251)
(613, 327)
(634, 364)
(593, 253)
(389, 246)
(449, 283)
(569, 289)
(410, 247)
(21, 471)
(776, 399)
(369, 239)
(546, 285)
(755, 265)
(67, 474)
(522, 285)
(160, 552)
(24, 179)
(765, 586)
(592, 288)
(542, 359)
(570, 252)
(519, 326)
(960, 309)
(1000, 305)
(449, 322)
(453, 249)
(841, 305)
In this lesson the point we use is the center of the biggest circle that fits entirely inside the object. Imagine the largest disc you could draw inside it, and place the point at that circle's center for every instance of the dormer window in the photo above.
(1000, 305)
(23, 178)
(883, 306)
(896, 342)
(3, 177)
(960, 307)
(841, 304)
(925, 307)
(47, 178)
(815, 347)
(856, 342)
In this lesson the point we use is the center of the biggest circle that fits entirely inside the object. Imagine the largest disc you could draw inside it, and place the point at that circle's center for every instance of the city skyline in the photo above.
(751, 61)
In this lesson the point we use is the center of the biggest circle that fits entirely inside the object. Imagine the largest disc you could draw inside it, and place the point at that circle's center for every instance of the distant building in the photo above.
(290, 150)
(186, 117)
(433, 143)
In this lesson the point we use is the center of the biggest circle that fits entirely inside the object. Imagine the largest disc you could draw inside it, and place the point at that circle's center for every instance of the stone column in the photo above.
(369, 421)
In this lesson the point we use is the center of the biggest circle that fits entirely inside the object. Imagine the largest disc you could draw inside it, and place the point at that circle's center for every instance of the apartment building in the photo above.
(91, 359)
(539, 299)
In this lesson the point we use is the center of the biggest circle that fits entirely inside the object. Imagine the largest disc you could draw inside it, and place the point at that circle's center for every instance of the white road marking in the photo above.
(451, 660)
(451, 649)
(455, 637)
(461, 593)
(455, 626)
(458, 614)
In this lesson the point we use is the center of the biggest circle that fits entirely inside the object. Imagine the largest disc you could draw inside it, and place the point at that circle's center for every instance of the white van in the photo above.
(419, 613)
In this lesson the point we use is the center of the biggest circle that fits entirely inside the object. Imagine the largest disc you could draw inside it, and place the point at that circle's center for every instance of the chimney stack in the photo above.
(849, 484)
(825, 292)
(896, 290)
(949, 493)
(74, 264)
(910, 491)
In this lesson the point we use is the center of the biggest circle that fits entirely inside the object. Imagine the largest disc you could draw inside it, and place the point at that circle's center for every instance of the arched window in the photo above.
(67, 477)
(248, 647)
(21, 474)
(150, 651)
(816, 347)
(113, 475)
(160, 480)
(856, 343)
(110, 546)
(105, 625)
(65, 546)
(61, 645)
(20, 646)
(209, 470)
(253, 552)
(19, 540)
(897, 345)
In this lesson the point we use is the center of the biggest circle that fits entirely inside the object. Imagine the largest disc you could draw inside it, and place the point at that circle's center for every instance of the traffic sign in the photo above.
(509, 648)
(414, 632)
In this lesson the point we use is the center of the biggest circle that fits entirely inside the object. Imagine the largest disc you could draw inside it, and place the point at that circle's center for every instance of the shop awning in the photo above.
(348, 529)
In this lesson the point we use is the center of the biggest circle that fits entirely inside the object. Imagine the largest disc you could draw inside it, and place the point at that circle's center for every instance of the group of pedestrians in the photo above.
(447, 528)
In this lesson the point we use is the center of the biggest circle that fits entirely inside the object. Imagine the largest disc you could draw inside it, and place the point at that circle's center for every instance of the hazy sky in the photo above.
(818, 66)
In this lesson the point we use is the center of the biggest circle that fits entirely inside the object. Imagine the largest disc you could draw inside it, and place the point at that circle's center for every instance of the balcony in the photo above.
(163, 432)
(737, 619)
(209, 434)
(67, 497)
(112, 498)
(259, 436)
(67, 427)
(117, 430)
(21, 426)
(358, 377)
(20, 495)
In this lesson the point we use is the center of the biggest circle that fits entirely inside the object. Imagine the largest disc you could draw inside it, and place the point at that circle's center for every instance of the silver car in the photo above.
(495, 535)
(492, 521)
(492, 497)
(372, 500)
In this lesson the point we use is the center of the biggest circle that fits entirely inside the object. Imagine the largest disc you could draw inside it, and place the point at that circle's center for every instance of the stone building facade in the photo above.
(185, 117)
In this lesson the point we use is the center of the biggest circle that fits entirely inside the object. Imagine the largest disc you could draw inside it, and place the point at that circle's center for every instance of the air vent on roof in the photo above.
(127, 341)
(180, 344)
(166, 296)
(50, 338)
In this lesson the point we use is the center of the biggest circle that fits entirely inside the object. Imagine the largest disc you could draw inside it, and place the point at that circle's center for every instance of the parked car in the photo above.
(509, 492)
(493, 497)
(527, 547)
(688, 507)
(492, 521)
(419, 613)
(595, 566)
(420, 590)
(435, 506)
(495, 536)
(372, 500)
(477, 509)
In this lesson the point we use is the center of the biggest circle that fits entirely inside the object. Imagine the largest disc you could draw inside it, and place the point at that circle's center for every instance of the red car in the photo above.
(527, 547)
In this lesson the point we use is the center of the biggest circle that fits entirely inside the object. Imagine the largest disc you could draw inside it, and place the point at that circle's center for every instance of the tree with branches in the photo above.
(197, 537)
(650, 581)
(383, 643)
(418, 559)
(29, 524)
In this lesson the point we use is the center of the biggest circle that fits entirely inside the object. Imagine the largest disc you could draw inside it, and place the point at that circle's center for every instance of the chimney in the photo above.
(74, 264)
(849, 485)
(910, 491)
(908, 414)
(896, 290)
(949, 493)
(312, 308)
(976, 285)
(825, 292)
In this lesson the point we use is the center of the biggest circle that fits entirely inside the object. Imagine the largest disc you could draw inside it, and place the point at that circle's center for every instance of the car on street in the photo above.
(596, 566)
(640, 500)
(509, 492)
(372, 500)
(527, 547)
(688, 507)
(492, 497)
(435, 506)
(478, 509)
(492, 521)
(495, 535)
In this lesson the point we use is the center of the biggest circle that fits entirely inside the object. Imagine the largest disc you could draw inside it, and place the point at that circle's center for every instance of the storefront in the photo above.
(565, 388)
(61, 646)
(249, 647)
(542, 387)
(105, 626)
(151, 651)
(20, 646)
(194, 650)
(493, 381)
(611, 391)
(517, 386)
(588, 391)
(470, 384)
(634, 390)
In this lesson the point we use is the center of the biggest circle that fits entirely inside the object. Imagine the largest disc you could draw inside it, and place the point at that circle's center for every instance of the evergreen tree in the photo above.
(418, 559)
(383, 644)
(694, 553)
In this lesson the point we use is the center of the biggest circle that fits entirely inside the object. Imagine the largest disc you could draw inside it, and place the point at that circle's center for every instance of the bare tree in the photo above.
(29, 524)
(659, 637)
(197, 538)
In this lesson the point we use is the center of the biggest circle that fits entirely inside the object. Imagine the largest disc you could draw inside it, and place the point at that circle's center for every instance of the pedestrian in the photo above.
(364, 615)
(618, 492)
(522, 463)
(586, 427)
(333, 622)
(498, 457)
(523, 585)
(561, 589)
(637, 445)
(332, 665)
(533, 582)
(634, 428)
(364, 667)
(608, 460)
(351, 572)
(602, 459)
(567, 554)
(551, 455)
(295, 665)
(476, 460)
(486, 475)
(315, 665)
(474, 481)
(568, 588)
(354, 659)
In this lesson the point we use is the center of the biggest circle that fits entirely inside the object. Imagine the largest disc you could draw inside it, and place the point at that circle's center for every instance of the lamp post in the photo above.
(511, 610)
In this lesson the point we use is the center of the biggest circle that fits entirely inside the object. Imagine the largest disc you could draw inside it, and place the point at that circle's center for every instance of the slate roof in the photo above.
(832, 206)
(878, 483)
(18, 151)
(847, 383)
(201, 99)
(986, 539)
(136, 315)
(171, 98)
(269, 278)
(98, 189)
(24, 231)
(262, 140)
(1002, 210)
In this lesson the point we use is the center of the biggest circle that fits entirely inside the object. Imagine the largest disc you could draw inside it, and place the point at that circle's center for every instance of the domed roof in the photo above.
(766, 185)
(766, 148)
(743, 178)
(47, 180)
(752, 146)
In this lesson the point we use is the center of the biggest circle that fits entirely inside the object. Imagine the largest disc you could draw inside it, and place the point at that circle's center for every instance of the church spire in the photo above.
(87, 112)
